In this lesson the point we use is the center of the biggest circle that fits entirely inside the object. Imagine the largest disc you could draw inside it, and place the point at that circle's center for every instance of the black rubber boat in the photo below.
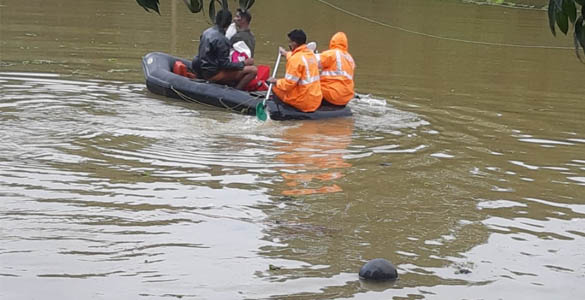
(161, 80)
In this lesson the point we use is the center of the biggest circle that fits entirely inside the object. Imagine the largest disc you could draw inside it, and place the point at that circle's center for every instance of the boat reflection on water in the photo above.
(313, 152)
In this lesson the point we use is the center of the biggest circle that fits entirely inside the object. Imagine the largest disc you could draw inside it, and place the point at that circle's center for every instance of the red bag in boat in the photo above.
(259, 83)
(180, 68)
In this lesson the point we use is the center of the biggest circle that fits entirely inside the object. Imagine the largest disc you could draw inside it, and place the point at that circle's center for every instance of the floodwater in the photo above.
(465, 167)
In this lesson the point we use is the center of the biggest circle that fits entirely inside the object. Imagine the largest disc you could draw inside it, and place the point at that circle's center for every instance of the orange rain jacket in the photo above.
(337, 71)
(300, 86)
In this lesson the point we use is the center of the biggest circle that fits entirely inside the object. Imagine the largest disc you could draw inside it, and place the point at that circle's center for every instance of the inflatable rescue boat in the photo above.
(160, 79)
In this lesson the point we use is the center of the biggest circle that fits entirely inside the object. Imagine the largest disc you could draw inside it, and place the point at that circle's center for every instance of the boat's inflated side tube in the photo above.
(281, 111)
(160, 80)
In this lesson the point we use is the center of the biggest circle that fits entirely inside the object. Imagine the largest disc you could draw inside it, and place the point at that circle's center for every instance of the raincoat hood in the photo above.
(338, 41)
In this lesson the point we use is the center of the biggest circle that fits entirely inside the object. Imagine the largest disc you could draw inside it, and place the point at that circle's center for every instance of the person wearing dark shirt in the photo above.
(213, 62)
(242, 21)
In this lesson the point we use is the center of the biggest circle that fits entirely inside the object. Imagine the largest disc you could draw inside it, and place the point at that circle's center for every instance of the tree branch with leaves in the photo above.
(196, 6)
(562, 13)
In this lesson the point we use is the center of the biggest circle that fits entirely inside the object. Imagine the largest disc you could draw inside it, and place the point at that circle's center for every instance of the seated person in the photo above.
(213, 62)
(300, 86)
(242, 21)
(241, 52)
(337, 71)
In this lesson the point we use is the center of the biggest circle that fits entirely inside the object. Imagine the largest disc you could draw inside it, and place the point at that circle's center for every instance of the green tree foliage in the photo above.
(196, 6)
(562, 13)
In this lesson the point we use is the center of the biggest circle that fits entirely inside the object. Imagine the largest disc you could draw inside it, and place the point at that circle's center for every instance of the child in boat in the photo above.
(240, 52)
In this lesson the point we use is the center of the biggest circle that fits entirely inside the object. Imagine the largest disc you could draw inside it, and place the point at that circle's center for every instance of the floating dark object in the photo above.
(378, 269)
(463, 271)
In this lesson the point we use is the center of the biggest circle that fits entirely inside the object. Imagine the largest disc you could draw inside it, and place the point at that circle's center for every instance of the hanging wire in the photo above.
(436, 36)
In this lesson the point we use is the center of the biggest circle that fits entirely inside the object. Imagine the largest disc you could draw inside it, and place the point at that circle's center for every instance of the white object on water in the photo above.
(368, 99)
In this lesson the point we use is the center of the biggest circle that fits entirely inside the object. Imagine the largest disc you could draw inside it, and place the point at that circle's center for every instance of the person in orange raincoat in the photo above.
(300, 87)
(337, 71)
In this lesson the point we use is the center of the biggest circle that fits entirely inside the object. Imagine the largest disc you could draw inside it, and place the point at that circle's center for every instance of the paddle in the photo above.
(261, 107)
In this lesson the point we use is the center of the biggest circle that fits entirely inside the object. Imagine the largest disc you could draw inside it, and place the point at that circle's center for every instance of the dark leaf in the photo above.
(581, 2)
(149, 4)
(580, 32)
(246, 4)
(570, 9)
(581, 38)
(212, 11)
(194, 6)
(552, 16)
(577, 47)
(251, 2)
(563, 22)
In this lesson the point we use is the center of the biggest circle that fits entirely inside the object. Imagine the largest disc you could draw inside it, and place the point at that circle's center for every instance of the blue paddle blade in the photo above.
(261, 112)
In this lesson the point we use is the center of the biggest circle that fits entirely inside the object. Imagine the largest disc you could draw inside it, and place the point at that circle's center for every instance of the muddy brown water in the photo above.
(465, 167)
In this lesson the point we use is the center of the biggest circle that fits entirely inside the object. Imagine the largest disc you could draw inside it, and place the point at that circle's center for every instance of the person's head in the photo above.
(242, 18)
(223, 19)
(296, 38)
